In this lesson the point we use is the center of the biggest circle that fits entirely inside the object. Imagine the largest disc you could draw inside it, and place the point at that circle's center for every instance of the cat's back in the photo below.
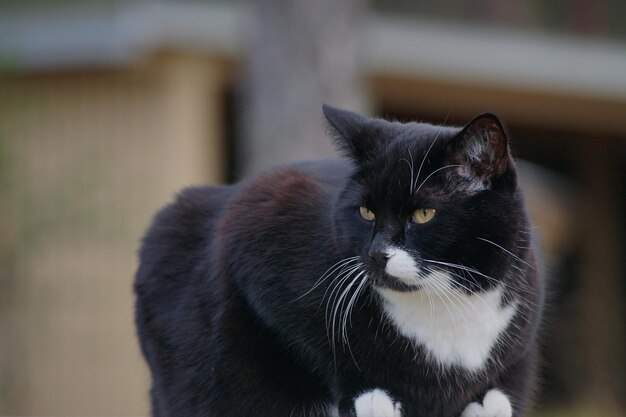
(178, 283)
(178, 238)
(186, 234)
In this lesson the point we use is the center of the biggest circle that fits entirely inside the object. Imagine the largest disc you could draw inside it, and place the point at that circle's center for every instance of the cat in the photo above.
(400, 280)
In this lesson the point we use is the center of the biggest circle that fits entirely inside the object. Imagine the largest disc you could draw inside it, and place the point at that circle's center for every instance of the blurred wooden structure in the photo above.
(92, 155)
(104, 116)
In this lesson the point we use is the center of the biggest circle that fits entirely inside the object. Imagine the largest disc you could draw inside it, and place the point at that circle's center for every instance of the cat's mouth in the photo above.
(387, 281)
(399, 271)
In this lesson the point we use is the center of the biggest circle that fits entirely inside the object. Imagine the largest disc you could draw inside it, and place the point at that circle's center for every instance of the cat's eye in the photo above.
(366, 213)
(423, 215)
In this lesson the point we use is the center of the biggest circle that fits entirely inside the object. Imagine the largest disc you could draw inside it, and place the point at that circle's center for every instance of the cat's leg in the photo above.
(511, 392)
(376, 403)
(495, 404)
(155, 406)
(372, 403)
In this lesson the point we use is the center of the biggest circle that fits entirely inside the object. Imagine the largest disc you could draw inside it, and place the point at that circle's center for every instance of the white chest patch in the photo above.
(453, 328)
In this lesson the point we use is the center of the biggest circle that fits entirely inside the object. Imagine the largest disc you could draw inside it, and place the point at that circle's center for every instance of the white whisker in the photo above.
(353, 300)
(328, 274)
(523, 288)
(463, 298)
(514, 256)
(410, 164)
(433, 173)
(336, 313)
(332, 297)
(419, 170)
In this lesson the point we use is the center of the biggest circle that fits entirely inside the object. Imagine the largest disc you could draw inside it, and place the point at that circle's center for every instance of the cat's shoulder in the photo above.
(329, 172)
(289, 186)
(181, 228)
(191, 207)
(285, 201)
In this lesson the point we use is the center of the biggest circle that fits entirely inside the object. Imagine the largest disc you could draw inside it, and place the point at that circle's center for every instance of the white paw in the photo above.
(376, 403)
(495, 404)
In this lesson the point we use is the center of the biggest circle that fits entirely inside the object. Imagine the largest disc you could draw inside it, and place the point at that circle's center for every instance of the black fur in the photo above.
(231, 311)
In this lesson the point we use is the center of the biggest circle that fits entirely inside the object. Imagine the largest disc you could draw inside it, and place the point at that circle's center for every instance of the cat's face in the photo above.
(427, 204)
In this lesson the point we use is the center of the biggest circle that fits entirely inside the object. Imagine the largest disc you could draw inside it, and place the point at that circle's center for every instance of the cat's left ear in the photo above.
(481, 150)
(350, 132)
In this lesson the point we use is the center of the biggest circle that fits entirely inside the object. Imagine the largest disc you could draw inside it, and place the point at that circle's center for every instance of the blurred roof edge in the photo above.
(87, 37)
(82, 37)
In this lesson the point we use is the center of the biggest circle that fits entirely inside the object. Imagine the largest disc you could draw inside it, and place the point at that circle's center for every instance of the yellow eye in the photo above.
(423, 215)
(367, 214)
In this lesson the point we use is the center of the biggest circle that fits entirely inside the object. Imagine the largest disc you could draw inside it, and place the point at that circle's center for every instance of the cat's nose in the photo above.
(380, 256)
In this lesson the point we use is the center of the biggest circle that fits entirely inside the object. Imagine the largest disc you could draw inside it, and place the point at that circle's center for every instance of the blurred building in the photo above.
(107, 110)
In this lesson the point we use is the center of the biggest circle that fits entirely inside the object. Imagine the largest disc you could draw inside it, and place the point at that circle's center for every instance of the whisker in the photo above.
(462, 297)
(330, 304)
(433, 173)
(419, 170)
(345, 269)
(524, 288)
(355, 297)
(430, 300)
(410, 164)
(345, 301)
(327, 274)
(336, 285)
(528, 303)
(336, 309)
(439, 290)
(449, 290)
(514, 256)
(347, 316)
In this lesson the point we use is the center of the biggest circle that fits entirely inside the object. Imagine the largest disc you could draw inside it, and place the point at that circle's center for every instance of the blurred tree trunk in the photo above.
(300, 54)
(601, 309)
(7, 258)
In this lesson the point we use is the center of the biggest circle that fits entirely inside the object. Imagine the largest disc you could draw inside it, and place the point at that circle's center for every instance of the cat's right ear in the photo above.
(349, 131)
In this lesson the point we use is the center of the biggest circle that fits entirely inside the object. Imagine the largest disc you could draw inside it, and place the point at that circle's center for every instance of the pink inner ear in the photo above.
(481, 151)
(471, 182)
(487, 143)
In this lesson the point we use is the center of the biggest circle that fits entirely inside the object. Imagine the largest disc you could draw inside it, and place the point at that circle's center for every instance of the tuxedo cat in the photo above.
(400, 280)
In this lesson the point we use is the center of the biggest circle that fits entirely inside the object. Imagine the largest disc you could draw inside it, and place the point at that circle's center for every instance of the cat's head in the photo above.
(425, 200)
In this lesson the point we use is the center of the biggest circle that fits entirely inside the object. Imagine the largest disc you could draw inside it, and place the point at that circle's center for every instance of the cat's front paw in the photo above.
(495, 404)
(376, 403)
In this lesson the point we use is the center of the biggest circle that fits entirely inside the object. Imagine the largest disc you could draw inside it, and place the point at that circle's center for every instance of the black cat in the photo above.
(399, 281)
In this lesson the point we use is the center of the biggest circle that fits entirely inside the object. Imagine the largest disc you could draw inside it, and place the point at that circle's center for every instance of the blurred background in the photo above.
(107, 108)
